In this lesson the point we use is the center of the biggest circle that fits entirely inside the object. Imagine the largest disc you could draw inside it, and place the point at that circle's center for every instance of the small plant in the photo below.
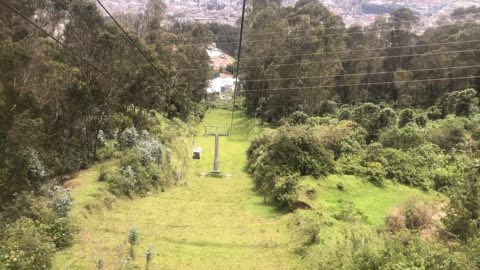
(149, 257)
(349, 213)
(100, 264)
(340, 186)
(103, 174)
(133, 237)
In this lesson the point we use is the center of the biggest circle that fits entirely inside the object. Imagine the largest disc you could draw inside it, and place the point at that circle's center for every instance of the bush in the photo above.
(26, 245)
(349, 213)
(463, 214)
(460, 103)
(137, 177)
(50, 212)
(298, 118)
(421, 120)
(402, 138)
(305, 225)
(107, 152)
(403, 168)
(415, 215)
(101, 139)
(276, 157)
(321, 121)
(344, 138)
(285, 191)
(375, 173)
(297, 150)
(361, 248)
(447, 133)
(350, 165)
(367, 115)
(150, 149)
(328, 107)
(387, 118)
(406, 116)
(344, 114)
(128, 138)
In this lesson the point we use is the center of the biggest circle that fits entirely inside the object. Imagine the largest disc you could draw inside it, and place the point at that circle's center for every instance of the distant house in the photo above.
(221, 86)
(219, 59)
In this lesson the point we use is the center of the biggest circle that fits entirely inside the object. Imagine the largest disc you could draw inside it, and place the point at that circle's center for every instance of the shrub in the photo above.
(421, 120)
(275, 157)
(434, 113)
(150, 149)
(350, 165)
(416, 215)
(357, 247)
(406, 116)
(128, 138)
(123, 182)
(344, 114)
(133, 238)
(447, 133)
(285, 191)
(298, 118)
(101, 139)
(107, 152)
(297, 150)
(26, 245)
(463, 214)
(103, 174)
(344, 138)
(321, 121)
(402, 138)
(403, 168)
(374, 153)
(305, 225)
(461, 103)
(349, 213)
(50, 212)
(387, 118)
(375, 173)
(136, 178)
(367, 115)
(328, 107)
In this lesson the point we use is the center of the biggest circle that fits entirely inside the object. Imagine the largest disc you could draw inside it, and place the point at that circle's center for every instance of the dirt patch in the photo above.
(71, 184)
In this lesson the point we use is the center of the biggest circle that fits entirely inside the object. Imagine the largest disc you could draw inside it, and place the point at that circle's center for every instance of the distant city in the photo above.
(361, 12)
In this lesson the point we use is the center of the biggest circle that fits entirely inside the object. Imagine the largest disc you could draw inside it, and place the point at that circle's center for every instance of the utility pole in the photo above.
(214, 131)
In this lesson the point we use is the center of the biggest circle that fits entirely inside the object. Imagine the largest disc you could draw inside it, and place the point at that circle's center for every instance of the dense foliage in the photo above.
(59, 115)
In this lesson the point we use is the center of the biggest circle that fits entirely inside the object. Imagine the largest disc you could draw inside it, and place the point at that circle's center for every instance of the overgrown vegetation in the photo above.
(59, 115)
(370, 142)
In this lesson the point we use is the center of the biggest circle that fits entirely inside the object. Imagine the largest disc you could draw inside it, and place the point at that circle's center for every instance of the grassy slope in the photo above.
(376, 203)
(210, 223)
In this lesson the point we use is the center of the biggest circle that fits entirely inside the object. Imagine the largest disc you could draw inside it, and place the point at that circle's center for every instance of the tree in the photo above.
(463, 212)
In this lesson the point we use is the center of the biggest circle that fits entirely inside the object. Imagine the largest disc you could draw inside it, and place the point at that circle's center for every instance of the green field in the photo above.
(208, 223)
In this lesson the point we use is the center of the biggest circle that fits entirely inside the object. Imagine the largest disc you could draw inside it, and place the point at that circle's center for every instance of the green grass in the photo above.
(375, 202)
(210, 223)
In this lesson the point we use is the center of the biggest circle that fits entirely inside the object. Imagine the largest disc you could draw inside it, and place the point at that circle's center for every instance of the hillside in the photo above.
(205, 223)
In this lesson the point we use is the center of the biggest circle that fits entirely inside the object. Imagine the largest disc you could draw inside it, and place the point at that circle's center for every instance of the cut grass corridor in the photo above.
(209, 224)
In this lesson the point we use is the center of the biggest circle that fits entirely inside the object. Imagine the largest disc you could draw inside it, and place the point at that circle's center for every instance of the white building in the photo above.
(221, 86)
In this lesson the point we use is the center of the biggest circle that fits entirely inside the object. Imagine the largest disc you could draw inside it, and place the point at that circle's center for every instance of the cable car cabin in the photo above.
(197, 153)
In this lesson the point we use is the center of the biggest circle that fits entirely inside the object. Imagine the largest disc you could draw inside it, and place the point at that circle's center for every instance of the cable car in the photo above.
(197, 153)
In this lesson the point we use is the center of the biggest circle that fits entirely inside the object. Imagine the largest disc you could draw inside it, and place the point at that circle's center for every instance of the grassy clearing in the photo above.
(209, 223)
